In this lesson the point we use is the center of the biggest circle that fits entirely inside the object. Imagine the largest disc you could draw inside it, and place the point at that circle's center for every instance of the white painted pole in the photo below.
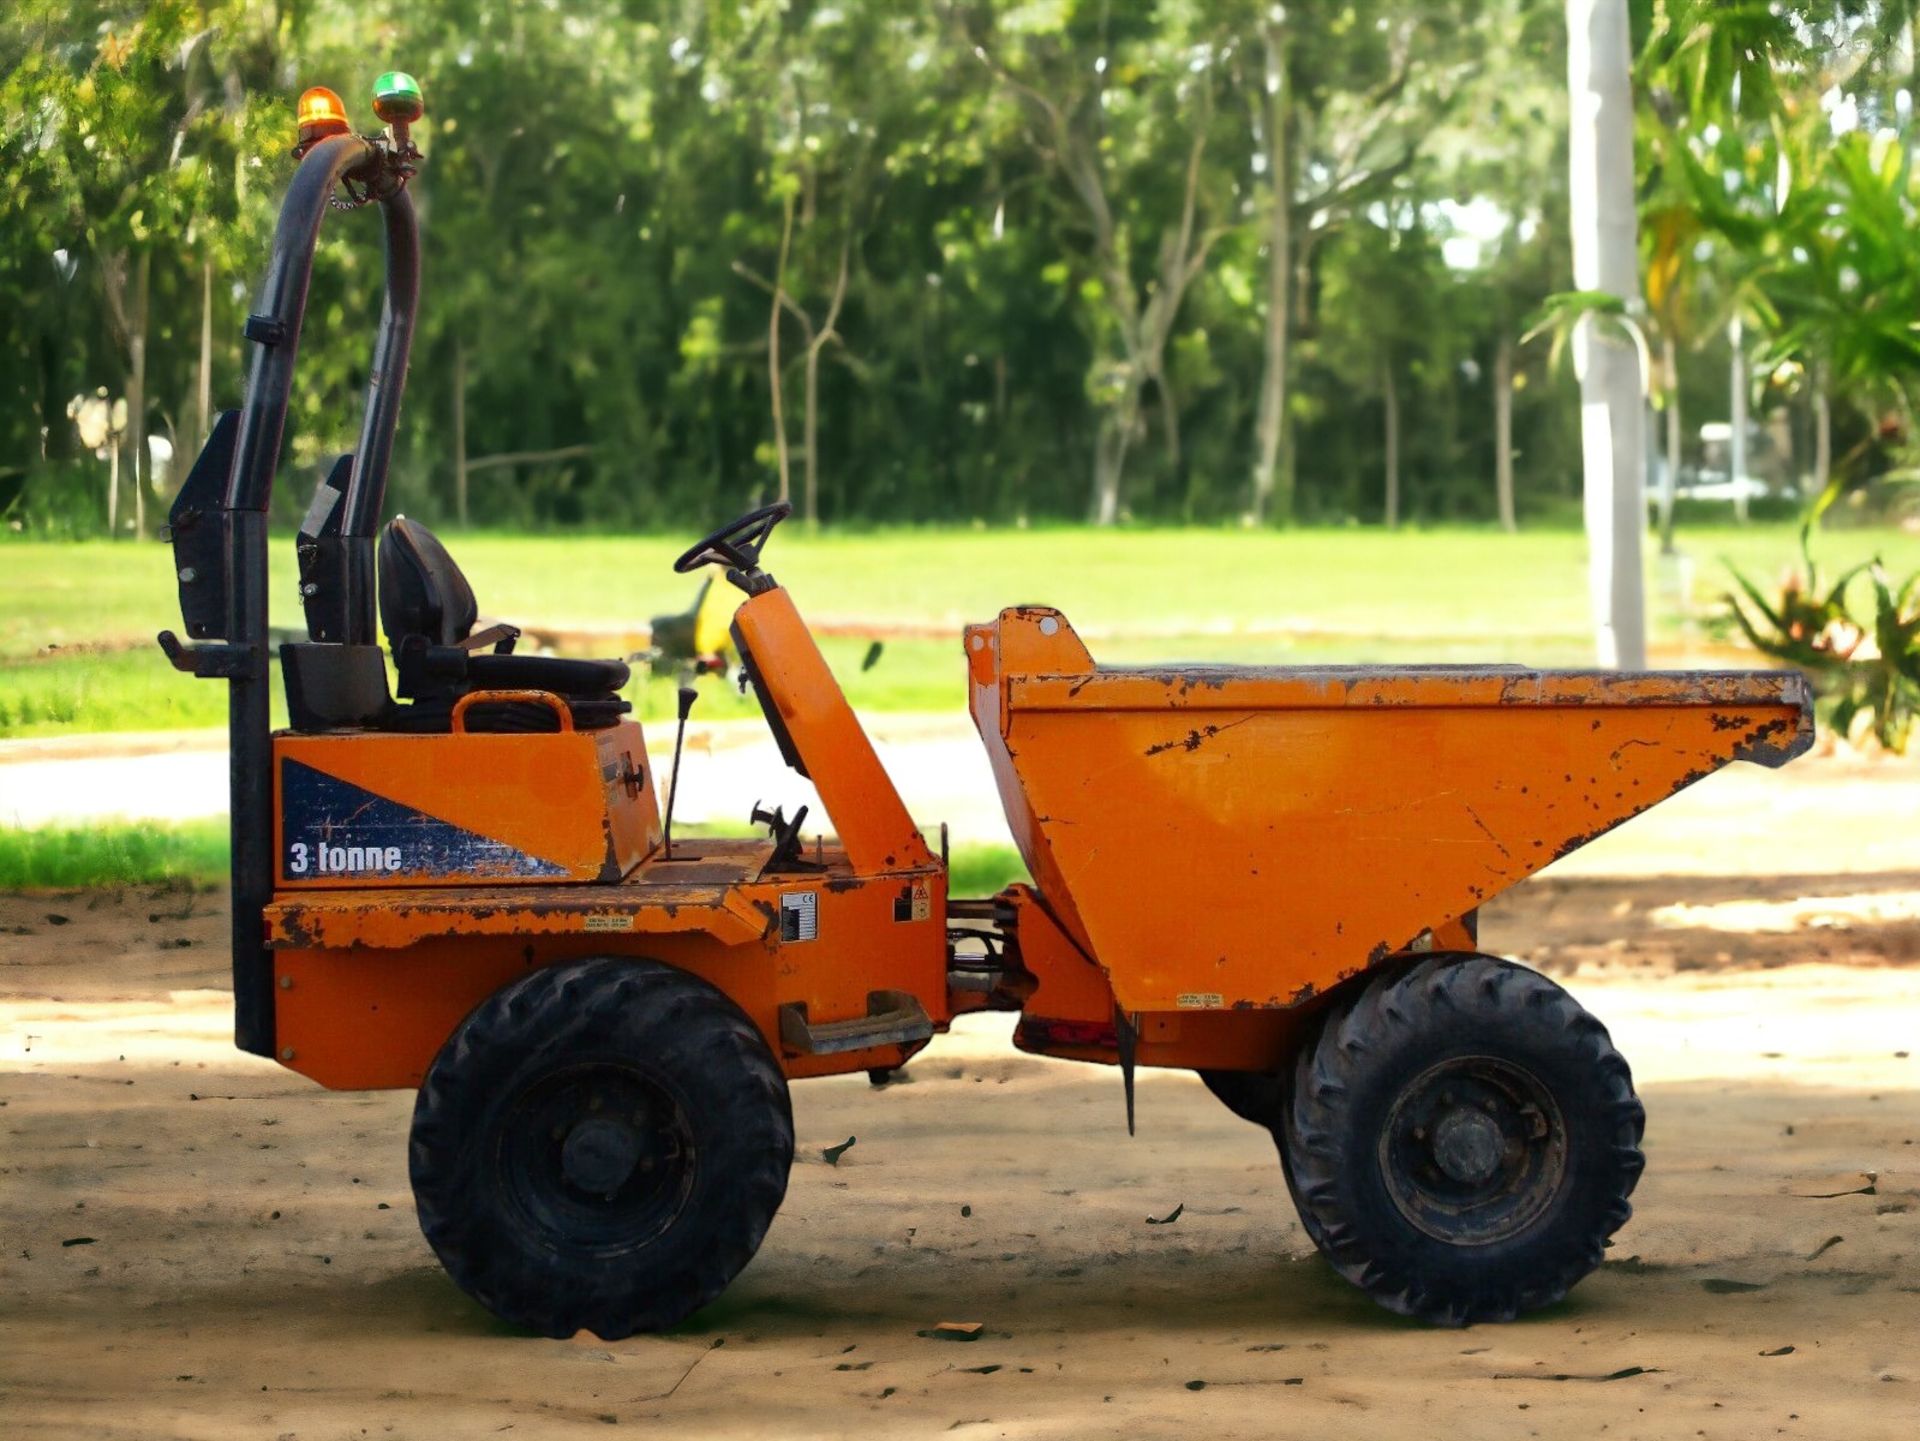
(1606, 258)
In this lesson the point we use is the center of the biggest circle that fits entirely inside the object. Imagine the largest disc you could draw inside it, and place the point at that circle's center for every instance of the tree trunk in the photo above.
(460, 431)
(1503, 432)
(809, 440)
(1170, 414)
(773, 352)
(1737, 397)
(1270, 497)
(137, 391)
(1670, 481)
(1110, 455)
(1391, 395)
(817, 341)
(203, 380)
(60, 442)
(1606, 257)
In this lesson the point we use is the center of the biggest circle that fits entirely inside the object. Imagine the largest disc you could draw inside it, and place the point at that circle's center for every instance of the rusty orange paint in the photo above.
(1216, 851)
(370, 986)
(1071, 1011)
(1224, 837)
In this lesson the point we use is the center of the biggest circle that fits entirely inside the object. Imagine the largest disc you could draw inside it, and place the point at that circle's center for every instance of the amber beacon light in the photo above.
(321, 113)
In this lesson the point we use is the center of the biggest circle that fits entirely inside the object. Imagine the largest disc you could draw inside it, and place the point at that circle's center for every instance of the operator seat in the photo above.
(428, 612)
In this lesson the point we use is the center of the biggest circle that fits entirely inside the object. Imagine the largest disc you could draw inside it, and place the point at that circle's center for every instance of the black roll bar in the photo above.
(374, 169)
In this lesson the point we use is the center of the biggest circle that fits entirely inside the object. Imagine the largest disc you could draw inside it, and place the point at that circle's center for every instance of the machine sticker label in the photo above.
(799, 915)
(609, 923)
(914, 903)
(1199, 1000)
(330, 827)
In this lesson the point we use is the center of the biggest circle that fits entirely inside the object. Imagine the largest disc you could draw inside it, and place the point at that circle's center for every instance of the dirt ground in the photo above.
(198, 1244)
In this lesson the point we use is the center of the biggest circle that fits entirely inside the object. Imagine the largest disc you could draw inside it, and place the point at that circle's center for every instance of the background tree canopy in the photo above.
(935, 259)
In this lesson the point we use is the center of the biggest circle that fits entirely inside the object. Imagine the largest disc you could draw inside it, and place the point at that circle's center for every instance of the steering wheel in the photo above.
(737, 544)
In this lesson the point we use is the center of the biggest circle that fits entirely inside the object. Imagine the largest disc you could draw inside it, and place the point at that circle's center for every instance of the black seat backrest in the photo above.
(422, 591)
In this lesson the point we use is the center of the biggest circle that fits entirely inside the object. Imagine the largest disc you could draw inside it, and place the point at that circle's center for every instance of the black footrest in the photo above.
(893, 1018)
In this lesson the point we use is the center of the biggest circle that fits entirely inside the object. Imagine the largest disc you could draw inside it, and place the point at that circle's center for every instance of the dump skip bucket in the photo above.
(1232, 836)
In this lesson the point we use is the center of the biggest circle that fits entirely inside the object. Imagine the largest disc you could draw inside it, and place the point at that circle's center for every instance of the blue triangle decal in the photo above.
(333, 829)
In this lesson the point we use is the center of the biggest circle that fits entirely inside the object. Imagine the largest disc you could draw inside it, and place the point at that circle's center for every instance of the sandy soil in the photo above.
(198, 1244)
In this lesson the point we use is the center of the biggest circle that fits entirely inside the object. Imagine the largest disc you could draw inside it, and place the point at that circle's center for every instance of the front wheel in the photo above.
(600, 1146)
(1462, 1140)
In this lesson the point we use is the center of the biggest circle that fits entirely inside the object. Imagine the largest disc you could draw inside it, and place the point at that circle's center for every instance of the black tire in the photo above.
(600, 1146)
(1462, 1141)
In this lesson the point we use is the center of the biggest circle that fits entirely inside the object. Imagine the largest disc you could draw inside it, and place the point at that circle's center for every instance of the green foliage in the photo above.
(605, 193)
(1777, 190)
(1865, 668)
(984, 870)
(993, 241)
(116, 854)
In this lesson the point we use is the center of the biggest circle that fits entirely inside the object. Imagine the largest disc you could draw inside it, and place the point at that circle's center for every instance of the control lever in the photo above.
(688, 695)
(785, 834)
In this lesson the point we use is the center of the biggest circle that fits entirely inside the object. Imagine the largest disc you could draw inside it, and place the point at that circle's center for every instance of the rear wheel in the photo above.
(600, 1146)
(1462, 1140)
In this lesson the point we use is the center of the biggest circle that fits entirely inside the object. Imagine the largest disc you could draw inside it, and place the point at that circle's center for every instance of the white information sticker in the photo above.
(1200, 1000)
(799, 915)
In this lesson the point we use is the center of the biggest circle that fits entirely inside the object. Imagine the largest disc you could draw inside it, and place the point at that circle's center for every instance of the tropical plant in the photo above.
(1865, 669)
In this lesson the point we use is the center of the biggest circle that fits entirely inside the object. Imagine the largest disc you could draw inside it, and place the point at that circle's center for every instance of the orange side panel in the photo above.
(1068, 986)
(373, 809)
(399, 919)
(369, 991)
(1071, 1013)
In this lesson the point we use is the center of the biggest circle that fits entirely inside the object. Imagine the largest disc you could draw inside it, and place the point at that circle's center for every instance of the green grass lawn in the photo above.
(1305, 595)
(66, 858)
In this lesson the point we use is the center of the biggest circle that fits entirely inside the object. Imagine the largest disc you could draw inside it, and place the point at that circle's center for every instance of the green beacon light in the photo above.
(397, 99)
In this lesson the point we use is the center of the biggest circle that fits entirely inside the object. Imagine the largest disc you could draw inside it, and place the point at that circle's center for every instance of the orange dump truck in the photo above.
(466, 883)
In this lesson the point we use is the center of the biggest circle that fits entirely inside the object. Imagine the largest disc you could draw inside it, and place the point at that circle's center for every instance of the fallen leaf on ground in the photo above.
(1841, 1183)
(1622, 1374)
(953, 1331)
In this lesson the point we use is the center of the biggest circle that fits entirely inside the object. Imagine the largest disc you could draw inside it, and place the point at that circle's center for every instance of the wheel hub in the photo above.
(1467, 1145)
(598, 1155)
(1474, 1150)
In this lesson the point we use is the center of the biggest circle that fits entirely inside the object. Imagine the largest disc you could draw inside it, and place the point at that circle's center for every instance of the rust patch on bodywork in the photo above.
(1194, 739)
